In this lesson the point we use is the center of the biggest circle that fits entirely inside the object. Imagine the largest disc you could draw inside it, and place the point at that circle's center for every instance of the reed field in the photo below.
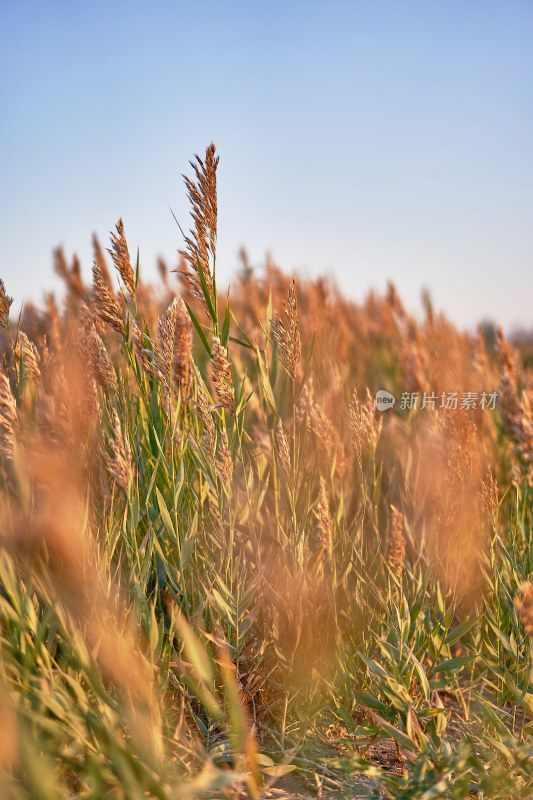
(225, 572)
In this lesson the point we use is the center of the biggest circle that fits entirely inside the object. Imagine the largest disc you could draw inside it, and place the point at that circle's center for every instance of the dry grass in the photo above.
(219, 562)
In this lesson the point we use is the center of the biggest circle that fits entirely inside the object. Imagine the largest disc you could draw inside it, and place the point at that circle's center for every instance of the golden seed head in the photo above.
(162, 268)
(284, 455)
(27, 351)
(121, 258)
(201, 244)
(221, 375)
(202, 408)
(364, 427)
(119, 464)
(144, 356)
(287, 333)
(5, 305)
(319, 425)
(100, 363)
(489, 492)
(224, 461)
(8, 417)
(99, 260)
(397, 543)
(514, 403)
(104, 301)
(70, 275)
(165, 343)
(181, 361)
(323, 516)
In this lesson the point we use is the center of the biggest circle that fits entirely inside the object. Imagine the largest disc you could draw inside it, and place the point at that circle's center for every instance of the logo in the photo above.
(384, 400)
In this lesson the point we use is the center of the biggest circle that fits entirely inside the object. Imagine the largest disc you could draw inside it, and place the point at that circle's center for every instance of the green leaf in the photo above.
(196, 653)
(226, 326)
(504, 639)
(454, 664)
(456, 633)
(207, 296)
(400, 736)
(265, 381)
(374, 667)
(165, 516)
(198, 327)
(242, 344)
(421, 675)
(369, 701)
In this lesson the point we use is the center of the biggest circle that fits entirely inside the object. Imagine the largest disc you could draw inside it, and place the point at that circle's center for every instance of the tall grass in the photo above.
(220, 563)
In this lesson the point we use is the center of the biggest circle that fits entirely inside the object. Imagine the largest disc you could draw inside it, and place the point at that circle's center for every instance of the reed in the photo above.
(221, 563)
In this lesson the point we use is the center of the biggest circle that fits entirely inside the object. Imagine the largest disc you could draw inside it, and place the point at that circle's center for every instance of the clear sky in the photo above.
(374, 140)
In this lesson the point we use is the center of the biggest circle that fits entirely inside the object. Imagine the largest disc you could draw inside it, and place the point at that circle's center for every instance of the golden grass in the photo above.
(215, 549)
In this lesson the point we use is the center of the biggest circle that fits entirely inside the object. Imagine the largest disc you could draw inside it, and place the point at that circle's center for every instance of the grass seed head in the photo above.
(101, 366)
(165, 343)
(221, 375)
(489, 492)
(181, 359)
(287, 333)
(119, 464)
(104, 301)
(397, 543)
(202, 408)
(27, 351)
(121, 258)
(284, 455)
(323, 516)
(224, 461)
(8, 417)
(100, 262)
(201, 244)
(5, 304)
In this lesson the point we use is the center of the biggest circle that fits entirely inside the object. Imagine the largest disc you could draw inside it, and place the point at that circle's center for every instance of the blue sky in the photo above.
(369, 140)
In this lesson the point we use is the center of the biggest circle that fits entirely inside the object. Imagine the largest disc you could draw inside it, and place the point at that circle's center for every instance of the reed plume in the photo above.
(201, 243)
(101, 366)
(144, 355)
(397, 543)
(489, 492)
(515, 403)
(54, 325)
(162, 269)
(323, 516)
(221, 375)
(119, 464)
(99, 260)
(364, 428)
(287, 333)
(202, 408)
(70, 275)
(224, 461)
(26, 352)
(8, 417)
(284, 455)
(5, 304)
(319, 425)
(104, 301)
(181, 360)
(121, 258)
(164, 351)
